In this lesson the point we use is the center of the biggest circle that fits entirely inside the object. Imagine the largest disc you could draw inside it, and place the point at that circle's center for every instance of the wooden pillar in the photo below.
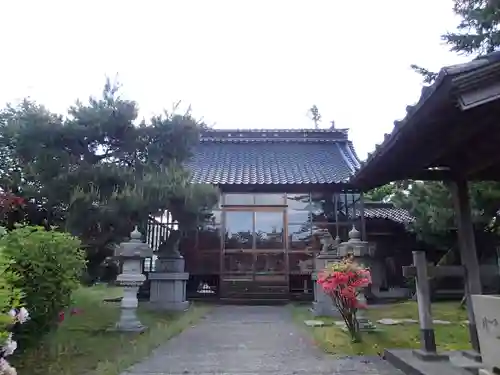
(362, 216)
(468, 252)
(336, 197)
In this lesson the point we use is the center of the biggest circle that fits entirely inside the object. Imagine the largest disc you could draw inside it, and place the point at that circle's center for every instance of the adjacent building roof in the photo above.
(274, 156)
(379, 210)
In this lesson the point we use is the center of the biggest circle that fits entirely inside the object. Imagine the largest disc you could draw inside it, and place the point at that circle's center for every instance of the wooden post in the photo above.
(362, 216)
(428, 341)
(468, 252)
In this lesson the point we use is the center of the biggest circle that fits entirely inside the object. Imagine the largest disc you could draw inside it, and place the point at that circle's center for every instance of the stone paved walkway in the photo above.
(251, 340)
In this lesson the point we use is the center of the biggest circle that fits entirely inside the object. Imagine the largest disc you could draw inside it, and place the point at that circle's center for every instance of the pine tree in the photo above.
(478, 31)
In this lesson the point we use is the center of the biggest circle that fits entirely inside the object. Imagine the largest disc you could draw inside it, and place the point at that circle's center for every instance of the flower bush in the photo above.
(11, 312)
(47, 265)
(342, 282)
(9, 346)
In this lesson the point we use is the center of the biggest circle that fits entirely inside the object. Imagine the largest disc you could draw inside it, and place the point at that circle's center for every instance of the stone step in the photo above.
(459, 360)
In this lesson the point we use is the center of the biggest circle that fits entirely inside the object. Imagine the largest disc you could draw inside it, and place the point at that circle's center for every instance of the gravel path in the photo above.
(247, 340)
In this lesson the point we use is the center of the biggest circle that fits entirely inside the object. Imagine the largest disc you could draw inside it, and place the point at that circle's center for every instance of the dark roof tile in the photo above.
(387, 211)
(398, 215)
(273, 157)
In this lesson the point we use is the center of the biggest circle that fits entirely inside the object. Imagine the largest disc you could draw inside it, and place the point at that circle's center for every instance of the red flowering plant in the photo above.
(342, 282)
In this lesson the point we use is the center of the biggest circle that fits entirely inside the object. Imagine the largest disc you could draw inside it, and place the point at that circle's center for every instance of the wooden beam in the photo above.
(466, 157)
(490, 174)
(472, 160)
(450, 271)
(459, 130)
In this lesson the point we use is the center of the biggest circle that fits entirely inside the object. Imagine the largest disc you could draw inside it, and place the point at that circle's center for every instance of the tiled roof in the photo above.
(387, 211)
(273, 156)
(455, 73)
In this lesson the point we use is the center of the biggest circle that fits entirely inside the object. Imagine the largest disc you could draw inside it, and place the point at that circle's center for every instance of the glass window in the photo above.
(299, 237)
(299, 217)
(270, 263)
(238, 199)
(269, 230)
(299, 208)
(342, 207)
(323, 209)
(270, 199)
(238, 263)
(239, 230)
(298, 201)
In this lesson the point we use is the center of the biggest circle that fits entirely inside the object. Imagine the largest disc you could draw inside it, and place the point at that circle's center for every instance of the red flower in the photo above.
(61, 317)
(348, 292)
(365, 274)
(360, 283)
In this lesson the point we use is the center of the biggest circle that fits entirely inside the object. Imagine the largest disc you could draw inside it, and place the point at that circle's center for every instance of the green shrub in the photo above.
(48, 265)
(10, 297)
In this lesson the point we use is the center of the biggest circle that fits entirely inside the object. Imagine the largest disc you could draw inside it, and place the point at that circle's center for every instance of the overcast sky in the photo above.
(239, 64)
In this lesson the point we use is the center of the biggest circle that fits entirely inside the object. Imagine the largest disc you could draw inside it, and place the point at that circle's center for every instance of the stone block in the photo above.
(314, 323)
(168, 290)
(487, 314)
(389, 322)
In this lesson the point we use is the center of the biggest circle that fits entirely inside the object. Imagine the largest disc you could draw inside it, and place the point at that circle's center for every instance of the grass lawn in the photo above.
(335, 341)
(81, 345)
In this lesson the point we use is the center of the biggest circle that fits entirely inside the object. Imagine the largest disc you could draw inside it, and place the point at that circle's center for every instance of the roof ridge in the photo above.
(274, 135)
(278, 130)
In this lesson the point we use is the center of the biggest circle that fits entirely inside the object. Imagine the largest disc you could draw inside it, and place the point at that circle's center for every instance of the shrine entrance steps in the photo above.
(251, 340)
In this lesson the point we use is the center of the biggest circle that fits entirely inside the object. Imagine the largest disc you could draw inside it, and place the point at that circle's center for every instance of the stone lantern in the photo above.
(131, 253)
(361, 252)
(322, 305)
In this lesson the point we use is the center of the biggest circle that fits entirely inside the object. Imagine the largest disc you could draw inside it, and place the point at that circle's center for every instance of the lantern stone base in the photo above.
(129, 323)
(168, 290)
(322, 305)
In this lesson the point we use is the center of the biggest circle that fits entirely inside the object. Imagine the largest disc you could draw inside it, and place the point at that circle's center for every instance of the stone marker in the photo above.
(323, 305)
(168, 281)
(131, 253)
(487, 312)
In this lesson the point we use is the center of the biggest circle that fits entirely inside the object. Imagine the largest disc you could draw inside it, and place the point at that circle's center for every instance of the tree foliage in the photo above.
(95, 173)
(315, 115)
(431, 205)
(478, 31)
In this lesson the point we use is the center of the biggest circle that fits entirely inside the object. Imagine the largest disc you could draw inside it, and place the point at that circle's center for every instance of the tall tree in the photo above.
(96, 173)
(478, 31)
